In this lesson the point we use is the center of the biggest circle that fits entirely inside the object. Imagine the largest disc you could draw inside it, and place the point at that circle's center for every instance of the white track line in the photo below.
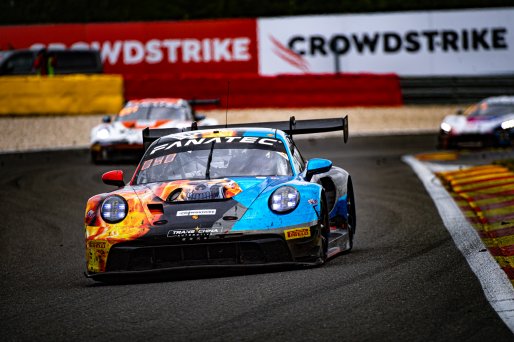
(496, 285)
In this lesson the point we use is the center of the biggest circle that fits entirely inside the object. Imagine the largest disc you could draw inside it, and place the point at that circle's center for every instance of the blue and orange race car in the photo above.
(222, 197)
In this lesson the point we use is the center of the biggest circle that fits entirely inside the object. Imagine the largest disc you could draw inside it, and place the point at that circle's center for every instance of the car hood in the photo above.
(186, 204)
(245, 189)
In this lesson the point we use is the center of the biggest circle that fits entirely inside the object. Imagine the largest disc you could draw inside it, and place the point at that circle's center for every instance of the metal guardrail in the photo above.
(456, 89)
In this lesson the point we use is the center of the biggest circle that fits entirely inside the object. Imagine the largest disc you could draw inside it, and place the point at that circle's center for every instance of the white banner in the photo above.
(465, 42)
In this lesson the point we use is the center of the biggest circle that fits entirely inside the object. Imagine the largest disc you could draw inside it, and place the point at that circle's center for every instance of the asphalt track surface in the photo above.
(404, 281)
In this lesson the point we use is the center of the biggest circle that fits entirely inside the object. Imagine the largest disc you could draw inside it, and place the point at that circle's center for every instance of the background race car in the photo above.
(223, 197)
(487, 123)
(121, 139)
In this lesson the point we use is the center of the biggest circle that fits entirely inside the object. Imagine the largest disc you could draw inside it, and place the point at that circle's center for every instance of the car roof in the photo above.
(157, 100)
(500, 100)
(226, 132)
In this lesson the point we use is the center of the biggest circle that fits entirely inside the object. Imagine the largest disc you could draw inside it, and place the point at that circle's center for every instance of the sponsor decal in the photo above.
(297, 233)
(200, 212)
(147, 164)
(409, 43)
(217, 140)
(192, 234)
(97, 244)
(202, 46)
(446, 40)
(172, 51)
(288, 55)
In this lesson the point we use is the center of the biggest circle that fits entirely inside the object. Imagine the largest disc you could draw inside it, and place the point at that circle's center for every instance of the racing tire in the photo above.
(325, 229)
(350, 203)
(351, 221)
(95, 158)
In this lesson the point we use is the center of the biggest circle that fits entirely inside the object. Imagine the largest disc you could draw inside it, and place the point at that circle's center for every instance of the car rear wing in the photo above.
(291, 127)
(203, 102)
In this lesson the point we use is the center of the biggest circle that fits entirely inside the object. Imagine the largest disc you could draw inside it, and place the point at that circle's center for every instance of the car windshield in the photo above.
(498, 108)
(3, 54)
(209, 158)
(151, 112)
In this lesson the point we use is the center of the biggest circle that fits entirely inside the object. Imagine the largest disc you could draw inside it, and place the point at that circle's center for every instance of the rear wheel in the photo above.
(351, 221)
(324, 228)
(350, 203)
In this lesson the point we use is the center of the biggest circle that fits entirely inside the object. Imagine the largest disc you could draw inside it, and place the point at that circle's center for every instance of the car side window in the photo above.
(20, 63)
(298, 161)
(188, 112)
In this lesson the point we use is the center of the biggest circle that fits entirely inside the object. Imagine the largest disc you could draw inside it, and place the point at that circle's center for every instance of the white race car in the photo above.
(489, 123)
(121, 139)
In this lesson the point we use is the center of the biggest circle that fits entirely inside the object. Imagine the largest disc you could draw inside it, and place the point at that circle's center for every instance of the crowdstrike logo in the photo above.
(289, 56)
(410, 42)
(129, 52)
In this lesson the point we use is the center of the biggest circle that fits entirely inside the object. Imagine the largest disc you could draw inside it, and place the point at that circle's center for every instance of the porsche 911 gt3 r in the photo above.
(122, 140)
(221, 197)
(485, 124)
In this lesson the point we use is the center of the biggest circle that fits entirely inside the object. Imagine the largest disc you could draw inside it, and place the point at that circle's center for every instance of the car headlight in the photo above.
(508, 124)
(114, 209)
(285, 199)
(446, 127)
(102, 133)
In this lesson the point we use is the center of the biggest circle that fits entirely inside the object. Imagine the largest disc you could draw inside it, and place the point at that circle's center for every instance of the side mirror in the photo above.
(459, 111)
(114, 177)
(316, 166)
(106, 119)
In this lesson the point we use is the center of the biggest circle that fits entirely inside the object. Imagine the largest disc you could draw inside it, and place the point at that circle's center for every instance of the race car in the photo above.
(489, 123)
(121, 139)
(224, 197)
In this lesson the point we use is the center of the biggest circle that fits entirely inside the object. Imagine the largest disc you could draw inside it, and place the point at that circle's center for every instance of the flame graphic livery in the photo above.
(101, 236)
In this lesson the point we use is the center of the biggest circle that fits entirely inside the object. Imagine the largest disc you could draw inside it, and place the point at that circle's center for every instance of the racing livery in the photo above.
(221, 197)
(489, 123)
(122, 140)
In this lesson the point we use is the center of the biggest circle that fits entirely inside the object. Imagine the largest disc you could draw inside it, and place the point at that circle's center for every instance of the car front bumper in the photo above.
(144, 257)
(475, 140)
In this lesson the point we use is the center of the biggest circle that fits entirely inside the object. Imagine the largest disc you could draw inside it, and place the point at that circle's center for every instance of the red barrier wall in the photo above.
(196, 59)
(227, 46)
(282, 91)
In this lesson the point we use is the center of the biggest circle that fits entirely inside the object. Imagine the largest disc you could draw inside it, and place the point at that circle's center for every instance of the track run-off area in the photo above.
(406, 278)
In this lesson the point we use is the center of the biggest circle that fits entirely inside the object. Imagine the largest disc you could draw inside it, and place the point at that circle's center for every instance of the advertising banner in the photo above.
(464, 42)
(196, 47)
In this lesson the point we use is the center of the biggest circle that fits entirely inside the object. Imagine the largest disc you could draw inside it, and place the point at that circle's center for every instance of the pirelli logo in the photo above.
(297, 233)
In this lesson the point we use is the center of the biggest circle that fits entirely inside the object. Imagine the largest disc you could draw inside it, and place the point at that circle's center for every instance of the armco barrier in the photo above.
(61, 94)
(248, 91)
(454, 89)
